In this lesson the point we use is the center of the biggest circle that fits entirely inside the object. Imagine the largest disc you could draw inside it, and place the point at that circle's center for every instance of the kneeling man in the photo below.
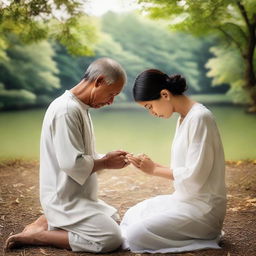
(74, 218)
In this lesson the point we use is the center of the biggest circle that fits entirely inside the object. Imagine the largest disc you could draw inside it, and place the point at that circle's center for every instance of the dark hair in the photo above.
(151, 82)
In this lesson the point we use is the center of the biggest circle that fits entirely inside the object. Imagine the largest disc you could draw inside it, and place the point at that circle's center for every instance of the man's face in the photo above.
(103, 94)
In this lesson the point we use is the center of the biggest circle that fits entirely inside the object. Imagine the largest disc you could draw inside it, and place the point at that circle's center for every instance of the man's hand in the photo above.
(142, 162)
(115, 160)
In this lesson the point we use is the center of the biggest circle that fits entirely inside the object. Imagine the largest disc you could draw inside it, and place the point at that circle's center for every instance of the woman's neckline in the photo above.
(185, 117)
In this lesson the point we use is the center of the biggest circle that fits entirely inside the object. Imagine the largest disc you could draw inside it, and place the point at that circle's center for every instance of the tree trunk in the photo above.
(250, 78)
(249, 74)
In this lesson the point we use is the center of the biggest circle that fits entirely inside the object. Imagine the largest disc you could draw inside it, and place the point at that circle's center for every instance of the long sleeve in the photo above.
(70, 150)
(199, 156)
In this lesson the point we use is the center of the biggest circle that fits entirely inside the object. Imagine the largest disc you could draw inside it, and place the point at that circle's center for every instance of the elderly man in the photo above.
(74, 218)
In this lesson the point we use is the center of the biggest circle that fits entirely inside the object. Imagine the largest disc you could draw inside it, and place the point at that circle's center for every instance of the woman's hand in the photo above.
(142, 162)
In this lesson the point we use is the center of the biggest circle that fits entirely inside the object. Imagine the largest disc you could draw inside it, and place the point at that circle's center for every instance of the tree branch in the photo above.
(244, 14)
(240, 29)
(227, 35)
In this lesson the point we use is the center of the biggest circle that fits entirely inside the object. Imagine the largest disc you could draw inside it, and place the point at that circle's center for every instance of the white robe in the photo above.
(68, 190)
(192, 217)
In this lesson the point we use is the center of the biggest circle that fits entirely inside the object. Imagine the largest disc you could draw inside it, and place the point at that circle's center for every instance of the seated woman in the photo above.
(192, 217)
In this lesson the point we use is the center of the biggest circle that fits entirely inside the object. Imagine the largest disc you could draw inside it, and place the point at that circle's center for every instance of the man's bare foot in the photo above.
(18, 240)
(25, 237)
(55, 238)
(39, 225)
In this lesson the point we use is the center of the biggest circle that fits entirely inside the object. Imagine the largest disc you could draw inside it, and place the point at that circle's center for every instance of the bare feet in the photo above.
(18, 240)
(58, 238)
(25, 237)
(37, 234)
(39, 225)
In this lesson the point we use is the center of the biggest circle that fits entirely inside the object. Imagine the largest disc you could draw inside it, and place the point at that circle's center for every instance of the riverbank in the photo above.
(19, 204)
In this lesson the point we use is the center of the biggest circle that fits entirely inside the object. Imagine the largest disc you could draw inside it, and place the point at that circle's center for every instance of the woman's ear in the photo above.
(165, 94)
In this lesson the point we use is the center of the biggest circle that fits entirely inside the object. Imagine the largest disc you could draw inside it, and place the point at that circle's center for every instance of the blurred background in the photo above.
(45, 47)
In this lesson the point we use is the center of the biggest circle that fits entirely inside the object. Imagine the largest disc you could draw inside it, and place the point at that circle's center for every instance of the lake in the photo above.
(133, 130)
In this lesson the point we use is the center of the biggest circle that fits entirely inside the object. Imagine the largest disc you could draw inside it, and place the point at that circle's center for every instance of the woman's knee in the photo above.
(135, 235)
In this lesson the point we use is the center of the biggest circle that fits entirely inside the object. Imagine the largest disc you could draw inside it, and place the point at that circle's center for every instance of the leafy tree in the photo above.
(28, 75)
(69, 67)
(136, 43)
(170, 52)
(129, 60)
(15, 98)
(231, 73)
(35, 20)
(234, 21)
(27, 69)
(140, 44)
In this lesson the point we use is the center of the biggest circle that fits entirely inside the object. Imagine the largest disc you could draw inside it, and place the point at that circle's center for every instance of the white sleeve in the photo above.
(99, 155)
(199, 157)
(69, 148)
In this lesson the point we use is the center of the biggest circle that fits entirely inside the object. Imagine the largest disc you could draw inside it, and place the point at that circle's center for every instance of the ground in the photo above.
(19, 204)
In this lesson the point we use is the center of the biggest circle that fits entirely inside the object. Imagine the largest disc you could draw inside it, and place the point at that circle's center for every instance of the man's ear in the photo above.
(165, 94)
(99, 81)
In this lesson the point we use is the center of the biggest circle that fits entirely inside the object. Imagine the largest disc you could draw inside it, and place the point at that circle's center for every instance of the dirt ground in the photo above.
(19, 204)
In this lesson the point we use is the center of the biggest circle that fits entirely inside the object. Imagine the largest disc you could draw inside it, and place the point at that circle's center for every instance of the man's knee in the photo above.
(107, 241)
(107, 244)
(112, 241)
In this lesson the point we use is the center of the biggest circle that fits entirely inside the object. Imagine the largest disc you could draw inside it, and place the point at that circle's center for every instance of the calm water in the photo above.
(132, 130)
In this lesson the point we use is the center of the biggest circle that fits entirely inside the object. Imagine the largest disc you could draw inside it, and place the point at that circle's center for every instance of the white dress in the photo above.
(192, 217)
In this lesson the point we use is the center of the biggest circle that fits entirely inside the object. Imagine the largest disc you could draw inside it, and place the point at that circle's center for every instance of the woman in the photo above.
(192, 217)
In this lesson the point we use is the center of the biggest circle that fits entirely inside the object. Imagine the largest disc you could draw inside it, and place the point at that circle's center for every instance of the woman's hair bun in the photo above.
(178, 84)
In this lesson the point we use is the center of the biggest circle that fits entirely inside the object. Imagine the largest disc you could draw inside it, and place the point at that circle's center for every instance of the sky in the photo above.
(99, 7)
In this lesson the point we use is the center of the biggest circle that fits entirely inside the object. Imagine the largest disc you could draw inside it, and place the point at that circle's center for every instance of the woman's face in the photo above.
(161, 107)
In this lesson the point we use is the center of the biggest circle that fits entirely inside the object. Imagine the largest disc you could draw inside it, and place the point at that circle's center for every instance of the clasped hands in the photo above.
(120, 159)
(142, 162)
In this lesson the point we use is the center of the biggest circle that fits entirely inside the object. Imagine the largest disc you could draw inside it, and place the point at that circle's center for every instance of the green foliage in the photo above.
(139, 44)
(151, 46)
(130, 61)
(17, 98)
(35, 20)
(234, 24)
(199, 17)
(28, 73)
(26, 58)
(46, 70)
(68, 66)
(220, 71)
(228, 74)
(78, 34)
